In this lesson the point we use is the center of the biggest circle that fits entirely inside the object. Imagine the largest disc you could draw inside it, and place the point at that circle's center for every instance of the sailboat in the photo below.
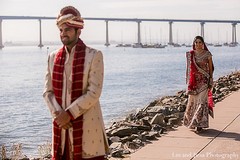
(218, 44)
(123, 44)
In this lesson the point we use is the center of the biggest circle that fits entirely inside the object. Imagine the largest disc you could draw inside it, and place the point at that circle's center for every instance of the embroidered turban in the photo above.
(71, 16)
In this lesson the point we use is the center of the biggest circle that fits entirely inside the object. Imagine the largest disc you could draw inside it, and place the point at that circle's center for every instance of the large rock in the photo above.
(116, 149)
(124, 131)
(159, 109)
(174, 121)
(158, 119)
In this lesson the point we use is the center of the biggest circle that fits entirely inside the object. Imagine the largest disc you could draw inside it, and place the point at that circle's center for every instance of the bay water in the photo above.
(133, 77)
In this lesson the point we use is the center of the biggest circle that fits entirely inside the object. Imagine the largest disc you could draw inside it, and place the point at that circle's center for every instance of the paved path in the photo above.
(220, 142)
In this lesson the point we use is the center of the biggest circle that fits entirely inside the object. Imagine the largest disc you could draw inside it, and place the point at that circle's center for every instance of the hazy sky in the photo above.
(27, 30)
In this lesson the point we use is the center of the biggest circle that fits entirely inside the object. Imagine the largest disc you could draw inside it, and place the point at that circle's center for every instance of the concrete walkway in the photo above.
(220, 142)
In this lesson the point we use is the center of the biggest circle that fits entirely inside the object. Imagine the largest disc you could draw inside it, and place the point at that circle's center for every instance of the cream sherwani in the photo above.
(94, 139)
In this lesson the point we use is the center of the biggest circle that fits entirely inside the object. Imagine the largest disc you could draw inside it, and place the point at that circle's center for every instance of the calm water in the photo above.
(133, 78)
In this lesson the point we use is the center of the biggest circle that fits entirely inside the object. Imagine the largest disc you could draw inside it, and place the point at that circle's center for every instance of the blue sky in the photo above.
(16, 30)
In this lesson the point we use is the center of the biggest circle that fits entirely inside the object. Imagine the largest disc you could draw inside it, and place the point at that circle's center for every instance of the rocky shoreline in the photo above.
(151, 122)
(159, 117)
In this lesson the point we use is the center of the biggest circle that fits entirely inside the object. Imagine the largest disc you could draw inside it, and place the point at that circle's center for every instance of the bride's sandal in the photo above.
(199, 130)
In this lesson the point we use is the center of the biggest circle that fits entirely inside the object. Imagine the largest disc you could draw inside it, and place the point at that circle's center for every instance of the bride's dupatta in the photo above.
(210, 103)
(192, 70)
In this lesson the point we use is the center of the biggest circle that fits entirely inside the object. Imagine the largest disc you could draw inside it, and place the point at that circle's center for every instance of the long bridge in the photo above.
(136, 20)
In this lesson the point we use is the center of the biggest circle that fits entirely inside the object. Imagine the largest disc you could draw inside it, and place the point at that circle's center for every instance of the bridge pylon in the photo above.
(1, 44)
(40, 34)
(107, 36)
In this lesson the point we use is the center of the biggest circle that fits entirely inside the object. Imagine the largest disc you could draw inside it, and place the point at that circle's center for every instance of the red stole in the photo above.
(210, 103)
(77, 87)
(192, 84)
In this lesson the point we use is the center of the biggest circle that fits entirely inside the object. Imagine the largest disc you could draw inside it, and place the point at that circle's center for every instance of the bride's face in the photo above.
(198, 44)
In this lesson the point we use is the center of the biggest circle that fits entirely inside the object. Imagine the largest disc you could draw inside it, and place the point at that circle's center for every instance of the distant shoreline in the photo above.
(112, 43)
(45, 43)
